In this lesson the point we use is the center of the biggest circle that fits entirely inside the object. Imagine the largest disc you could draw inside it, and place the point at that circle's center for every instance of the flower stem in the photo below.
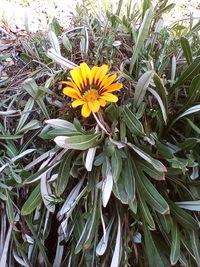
(100, 121)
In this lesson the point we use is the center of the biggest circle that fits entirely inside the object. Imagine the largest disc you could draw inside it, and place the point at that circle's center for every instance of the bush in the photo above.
(121, 186)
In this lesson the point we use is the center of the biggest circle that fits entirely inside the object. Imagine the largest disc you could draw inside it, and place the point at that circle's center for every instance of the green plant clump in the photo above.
(120, 187)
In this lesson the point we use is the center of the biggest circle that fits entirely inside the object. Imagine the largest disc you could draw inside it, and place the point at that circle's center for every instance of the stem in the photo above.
(100, 122)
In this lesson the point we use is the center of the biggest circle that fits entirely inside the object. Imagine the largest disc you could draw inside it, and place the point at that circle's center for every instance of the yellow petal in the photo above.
(108, 80)
(71, 92)
(77, 103)
(85, 111)
(113, 87)
(86, 74)
(72, 84)
(77, 78)
(109, 97)
(97, 105)
(94, 106)
(63, 82)
(102, 102)
(100, 74)
(93, 72)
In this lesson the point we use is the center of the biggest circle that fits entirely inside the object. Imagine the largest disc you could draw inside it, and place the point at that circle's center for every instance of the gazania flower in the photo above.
(91, 88)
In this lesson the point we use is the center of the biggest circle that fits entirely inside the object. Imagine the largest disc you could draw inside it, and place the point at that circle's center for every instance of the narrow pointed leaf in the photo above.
(183, 217)
(79, 142)
(141, 87)
(192, 70)
(194, 91)
(64, 173)
(142, 35)
(186, 50)
(152, 196)
(154, 258)
(133, 124)
(154, 162)
(189, 205)
(117, 251)
(175, 245)
(32, 202)
(107, 185)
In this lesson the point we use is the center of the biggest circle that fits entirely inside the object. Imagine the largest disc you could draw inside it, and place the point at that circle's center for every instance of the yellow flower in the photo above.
(91, 88)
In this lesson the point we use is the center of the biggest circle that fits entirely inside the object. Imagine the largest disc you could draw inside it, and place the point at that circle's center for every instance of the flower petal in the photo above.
(77, 103)
(93, 72)
(71, 92)
(113, 87)
(102, 102)
(73, 85)
(109, 97)
(108, 80)
(85, 111)
(100, 74)
(63, 82)
(94, 106)
(86, 74)
(77, 78)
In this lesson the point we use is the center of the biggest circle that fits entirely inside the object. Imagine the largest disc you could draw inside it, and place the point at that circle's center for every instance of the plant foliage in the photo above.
(125, 197)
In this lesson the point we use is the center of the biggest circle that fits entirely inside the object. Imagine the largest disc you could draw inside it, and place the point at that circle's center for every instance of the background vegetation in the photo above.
(130, 198)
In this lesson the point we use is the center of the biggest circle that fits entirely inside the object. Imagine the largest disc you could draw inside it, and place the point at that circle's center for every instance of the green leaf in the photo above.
(154, 162)
(194, 91)
(164, 9)
(153, 255)
(24, 116)
(10, 137)
(189, 111)
(80, 142)
(31, 87)
(194, 237)
(54, 41)
(193, 126)
(56, 27)
(164, 151)
(118, 247)
(151, 171)
(141, 87)
(32, 125)
(162, 92)
(183, 217)
(175, 245)
(50, 134)
(189, 73)
(154, 199)
(32, 202)
(189, 143)
(165, 220)
(84, 43)
(64, 173)
(189, 205)
(133, 124)
(9, 208)
(145, 212)
(142, 35)
(67, 44)
(88, 232)
(129, 178)
(120, 191)
(38, 242)
(61, 124)
(145, 6)
(186, 50)
(162, 107)
(116, 165)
